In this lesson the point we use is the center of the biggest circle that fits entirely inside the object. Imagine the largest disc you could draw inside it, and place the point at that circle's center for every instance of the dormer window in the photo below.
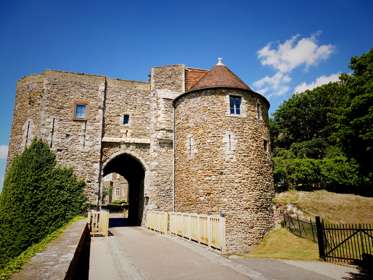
(80, 112)
(235, 104)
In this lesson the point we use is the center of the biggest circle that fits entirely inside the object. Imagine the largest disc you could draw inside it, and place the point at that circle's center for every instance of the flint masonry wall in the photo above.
(26, 113)
(45, 109)
(222, 165)
(167, 82)
(130, 98)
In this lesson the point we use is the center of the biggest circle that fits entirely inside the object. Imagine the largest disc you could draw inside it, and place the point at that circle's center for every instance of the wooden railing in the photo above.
(98, 222)
(205, 229)
(157, 220)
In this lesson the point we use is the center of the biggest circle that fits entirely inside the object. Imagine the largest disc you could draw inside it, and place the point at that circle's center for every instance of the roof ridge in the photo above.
(219, 76)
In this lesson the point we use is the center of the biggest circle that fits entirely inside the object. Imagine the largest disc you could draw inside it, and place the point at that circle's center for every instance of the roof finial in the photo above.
(220, 61)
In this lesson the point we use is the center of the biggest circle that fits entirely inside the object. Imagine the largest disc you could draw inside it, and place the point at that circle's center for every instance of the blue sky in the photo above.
(276, 47)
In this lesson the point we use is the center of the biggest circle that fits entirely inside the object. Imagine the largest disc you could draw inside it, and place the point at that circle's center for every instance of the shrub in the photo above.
(120, 202)
(38, 197)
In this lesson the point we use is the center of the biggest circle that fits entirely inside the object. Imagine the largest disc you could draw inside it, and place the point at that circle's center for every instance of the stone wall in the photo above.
(222, 165)
(26, 114)
(130, 98)
(45, 105)
(167, 82)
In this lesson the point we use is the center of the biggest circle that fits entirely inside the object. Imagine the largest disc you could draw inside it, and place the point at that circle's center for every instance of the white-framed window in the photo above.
(117, 192)
(80, 111)
(235, 104)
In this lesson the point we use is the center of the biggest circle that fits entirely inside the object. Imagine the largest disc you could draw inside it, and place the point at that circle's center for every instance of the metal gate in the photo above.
(344, 242)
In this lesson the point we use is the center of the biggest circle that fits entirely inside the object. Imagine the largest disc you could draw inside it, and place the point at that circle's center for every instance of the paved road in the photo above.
(136, 253)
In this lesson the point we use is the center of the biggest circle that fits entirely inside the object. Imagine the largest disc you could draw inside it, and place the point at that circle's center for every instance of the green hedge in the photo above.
(38, 197)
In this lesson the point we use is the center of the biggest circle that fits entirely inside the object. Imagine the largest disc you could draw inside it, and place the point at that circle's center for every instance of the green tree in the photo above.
(355, 120)
(38, 197)
(323, 138)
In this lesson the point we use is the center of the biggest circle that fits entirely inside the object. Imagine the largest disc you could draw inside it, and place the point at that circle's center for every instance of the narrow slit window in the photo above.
(265, 145)
(235, 105)
(229, 142)
(190, 145)
(80, 111)
(259, 114)
(126, 119)
(84, 133)
(27, 133)
(52, 133)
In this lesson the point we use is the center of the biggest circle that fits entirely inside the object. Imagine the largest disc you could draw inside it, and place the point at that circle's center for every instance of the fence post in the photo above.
(222, 233)
(313, 233)
(320, 238)
(208, 231)
(299, 226)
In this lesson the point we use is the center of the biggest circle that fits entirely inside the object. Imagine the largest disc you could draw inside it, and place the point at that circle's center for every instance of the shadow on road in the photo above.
(363, 274)
(118, 222)
(365, 270)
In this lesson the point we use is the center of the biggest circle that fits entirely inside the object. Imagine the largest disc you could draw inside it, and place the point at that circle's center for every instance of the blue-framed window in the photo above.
(80, 111)
(126, 119)
(235, 104)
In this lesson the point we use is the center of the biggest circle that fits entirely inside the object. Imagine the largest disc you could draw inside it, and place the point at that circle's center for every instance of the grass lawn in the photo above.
(333, 207)
(281, 244)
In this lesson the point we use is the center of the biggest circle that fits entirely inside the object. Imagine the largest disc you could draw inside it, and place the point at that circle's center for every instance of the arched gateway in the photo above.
(133, 171)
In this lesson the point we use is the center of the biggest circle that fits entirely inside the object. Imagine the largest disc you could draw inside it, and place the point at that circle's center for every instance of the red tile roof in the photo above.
(219, 76)
(192, 76)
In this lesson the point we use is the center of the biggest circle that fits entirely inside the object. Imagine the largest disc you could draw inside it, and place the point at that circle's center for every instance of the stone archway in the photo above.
(132, 169)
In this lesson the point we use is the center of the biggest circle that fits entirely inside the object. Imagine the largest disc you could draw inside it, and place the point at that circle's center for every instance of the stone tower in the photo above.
(222, 156)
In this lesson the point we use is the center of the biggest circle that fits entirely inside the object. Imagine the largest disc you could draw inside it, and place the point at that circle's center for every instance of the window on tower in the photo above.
(235, 104)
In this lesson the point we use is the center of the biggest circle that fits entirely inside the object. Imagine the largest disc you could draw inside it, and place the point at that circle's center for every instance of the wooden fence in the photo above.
(98, 222)
(344, 242)
(205, 229)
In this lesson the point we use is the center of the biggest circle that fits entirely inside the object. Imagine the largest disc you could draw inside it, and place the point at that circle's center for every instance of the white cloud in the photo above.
(3, 151)
(2, 171)
(294, 52)
(278, 84)
(318, 82)
(285, 57)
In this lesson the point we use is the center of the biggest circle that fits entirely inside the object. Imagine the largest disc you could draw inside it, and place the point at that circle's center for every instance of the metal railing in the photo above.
(301, 227)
